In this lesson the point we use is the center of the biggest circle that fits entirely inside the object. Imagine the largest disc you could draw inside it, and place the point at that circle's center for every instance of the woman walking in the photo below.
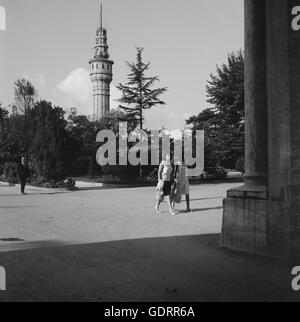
(165, 177)
(183, 186)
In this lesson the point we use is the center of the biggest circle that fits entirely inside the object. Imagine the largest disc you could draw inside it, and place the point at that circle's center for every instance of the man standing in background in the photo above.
(23, 173)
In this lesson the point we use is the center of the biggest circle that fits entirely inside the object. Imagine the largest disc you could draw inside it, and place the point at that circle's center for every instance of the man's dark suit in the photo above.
(23, 173)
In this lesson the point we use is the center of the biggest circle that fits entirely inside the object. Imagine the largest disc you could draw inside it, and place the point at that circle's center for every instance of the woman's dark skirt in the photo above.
(167, 188)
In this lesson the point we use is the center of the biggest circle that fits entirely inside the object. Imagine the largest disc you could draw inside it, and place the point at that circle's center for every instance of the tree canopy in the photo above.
(223, 122)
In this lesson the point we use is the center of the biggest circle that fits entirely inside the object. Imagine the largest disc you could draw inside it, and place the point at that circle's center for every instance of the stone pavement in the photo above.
(109, 245)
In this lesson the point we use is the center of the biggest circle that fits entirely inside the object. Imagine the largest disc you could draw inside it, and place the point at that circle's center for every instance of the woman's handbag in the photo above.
(160, 190)
(176, 197)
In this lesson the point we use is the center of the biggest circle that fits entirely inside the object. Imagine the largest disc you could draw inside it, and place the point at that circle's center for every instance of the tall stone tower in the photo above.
(101, 74)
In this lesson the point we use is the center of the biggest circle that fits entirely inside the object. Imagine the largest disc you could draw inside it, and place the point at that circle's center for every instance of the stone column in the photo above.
(278, 82)
(256, 125)
(245, 211)
(256, 115)
(263, 215)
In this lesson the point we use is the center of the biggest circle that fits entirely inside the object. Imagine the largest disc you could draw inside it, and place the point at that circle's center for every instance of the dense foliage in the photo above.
(58, 146)
(223, 123)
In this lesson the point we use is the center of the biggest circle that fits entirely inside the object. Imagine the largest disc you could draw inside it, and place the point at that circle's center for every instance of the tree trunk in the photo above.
(141, 127)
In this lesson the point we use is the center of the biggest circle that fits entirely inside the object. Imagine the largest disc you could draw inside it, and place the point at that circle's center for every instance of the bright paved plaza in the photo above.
(110, 245)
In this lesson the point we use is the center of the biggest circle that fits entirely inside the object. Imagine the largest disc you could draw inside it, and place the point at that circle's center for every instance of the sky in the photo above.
(50, 43)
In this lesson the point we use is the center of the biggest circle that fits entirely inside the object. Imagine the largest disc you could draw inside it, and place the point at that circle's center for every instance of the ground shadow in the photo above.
(18, 207)
(194, 210)
(179, 268)
(32, 193)
(11, 239)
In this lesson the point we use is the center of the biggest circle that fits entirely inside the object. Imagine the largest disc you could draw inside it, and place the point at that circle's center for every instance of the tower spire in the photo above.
(101, 15)
(101, 72)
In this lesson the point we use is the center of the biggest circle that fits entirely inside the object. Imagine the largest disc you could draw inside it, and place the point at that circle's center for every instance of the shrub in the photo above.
(109, 178)
(70, 184)
(217, 172)
(11, 172)
(52, 184)
(38, 181)
(220, 173)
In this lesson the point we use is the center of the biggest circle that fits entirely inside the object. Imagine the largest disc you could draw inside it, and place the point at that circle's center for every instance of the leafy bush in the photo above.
(52, 184)
(109, 178)
(70, 184)
(38, 181)
(217, 172)
(220, 173)
(11, 172)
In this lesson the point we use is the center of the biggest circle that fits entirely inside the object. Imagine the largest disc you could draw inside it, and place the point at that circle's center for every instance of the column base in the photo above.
(256, 226)
(249, 191)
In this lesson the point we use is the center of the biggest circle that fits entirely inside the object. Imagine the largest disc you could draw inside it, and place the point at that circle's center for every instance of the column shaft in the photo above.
(256, 124)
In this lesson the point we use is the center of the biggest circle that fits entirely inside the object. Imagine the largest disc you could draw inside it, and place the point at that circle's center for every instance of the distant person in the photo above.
(23, 173)
(165, 177)
(182, 183)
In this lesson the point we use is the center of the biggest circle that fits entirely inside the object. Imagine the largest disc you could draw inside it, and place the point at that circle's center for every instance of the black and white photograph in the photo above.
(149, 153)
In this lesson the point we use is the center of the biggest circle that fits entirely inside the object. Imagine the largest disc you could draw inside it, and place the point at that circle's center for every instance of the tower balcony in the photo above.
(102, 77)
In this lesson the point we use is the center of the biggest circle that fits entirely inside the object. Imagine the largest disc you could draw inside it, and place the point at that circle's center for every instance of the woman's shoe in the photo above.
(172, 212)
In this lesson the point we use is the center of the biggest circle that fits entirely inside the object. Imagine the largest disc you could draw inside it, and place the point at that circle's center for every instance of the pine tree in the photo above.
(139, 91)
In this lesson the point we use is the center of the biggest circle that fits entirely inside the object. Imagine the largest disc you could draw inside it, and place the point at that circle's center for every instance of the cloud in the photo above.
(76, 89)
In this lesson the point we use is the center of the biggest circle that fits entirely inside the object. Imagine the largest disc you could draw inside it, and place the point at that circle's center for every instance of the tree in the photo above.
(112, 120)
(82, 145)
(25, 95)
(226, 89)
(4, 116)
(139, 91)
(48, 140)
(82, 133)
(223, 123)
(3, 121)
(10, 142)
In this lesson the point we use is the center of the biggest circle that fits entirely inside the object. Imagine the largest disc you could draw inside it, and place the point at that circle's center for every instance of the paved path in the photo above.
(110, 245)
